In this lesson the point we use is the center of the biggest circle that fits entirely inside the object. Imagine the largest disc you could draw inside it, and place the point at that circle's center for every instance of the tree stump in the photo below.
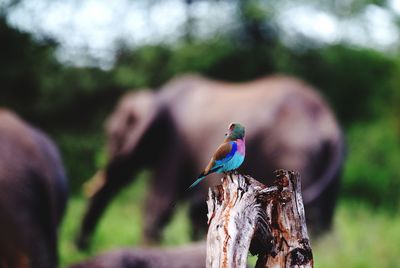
(244, 215)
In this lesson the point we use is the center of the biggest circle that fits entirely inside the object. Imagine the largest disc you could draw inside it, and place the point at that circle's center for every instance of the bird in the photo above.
(229, 155)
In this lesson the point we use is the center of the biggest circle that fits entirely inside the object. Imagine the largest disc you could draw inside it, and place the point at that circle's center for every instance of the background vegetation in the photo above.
(362, 85)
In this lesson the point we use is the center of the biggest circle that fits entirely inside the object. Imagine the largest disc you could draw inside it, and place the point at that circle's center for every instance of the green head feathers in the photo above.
(235, 131)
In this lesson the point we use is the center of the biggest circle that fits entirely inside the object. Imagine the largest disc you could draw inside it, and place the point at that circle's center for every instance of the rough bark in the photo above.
(245, 215)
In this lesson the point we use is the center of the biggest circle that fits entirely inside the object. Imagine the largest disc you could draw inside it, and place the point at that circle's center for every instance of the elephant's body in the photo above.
(33, 195)
(288, 125)
(188, 256)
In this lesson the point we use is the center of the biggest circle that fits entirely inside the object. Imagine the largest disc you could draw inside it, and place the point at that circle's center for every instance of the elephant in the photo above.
(175, 130)
(187, 256)
(33, 194)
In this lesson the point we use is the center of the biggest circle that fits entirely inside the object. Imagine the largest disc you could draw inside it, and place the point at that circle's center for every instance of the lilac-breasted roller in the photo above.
(229, 155)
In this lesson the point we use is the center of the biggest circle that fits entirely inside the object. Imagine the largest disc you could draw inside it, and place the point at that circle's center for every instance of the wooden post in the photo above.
(245, 215)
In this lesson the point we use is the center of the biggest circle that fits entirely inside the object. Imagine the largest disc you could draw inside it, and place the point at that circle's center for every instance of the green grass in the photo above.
(120, 227)
(362, 236)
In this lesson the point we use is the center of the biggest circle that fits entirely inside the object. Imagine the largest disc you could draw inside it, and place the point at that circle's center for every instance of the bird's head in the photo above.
(235, 131)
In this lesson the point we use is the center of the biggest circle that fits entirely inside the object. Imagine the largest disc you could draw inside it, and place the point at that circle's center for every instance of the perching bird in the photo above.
(229, 155)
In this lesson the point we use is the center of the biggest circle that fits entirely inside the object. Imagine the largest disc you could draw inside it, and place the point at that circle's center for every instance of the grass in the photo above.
(119, 227)
(362, 236)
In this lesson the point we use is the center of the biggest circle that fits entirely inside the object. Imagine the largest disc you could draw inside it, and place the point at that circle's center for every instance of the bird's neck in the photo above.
(228, 139)
(241, 144)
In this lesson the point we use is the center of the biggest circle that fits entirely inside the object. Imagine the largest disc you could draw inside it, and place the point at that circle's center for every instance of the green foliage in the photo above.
(142, 67)
(357, 82)
(372, 169)
(186, 56)
(23, 61)
(253, 10)
(82, 155)
(221, 58)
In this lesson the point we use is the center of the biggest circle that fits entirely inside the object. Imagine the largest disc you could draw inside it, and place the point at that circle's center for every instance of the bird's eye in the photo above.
(232, 126)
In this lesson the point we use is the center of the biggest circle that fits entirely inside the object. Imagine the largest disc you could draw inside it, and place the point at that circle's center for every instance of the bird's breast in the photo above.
(241, 146)
(236, 161)
(233, 163)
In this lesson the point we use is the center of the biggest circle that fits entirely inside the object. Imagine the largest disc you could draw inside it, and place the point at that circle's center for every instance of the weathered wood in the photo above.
(245, 215)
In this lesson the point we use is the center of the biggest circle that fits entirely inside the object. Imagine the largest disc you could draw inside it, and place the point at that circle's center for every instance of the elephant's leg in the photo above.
(42, 251)
(319, 213)
(12, 250)
(159, 208)
(117, 176)
(163, 194)
(36, 230)
(96, 208)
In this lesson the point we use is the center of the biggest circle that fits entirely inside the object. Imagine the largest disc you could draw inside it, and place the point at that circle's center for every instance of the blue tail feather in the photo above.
(199, 179)
(202, 176)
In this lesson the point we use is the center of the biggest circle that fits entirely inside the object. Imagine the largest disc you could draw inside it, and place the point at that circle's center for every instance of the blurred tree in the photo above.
(347, 8)
(145, 66)
(356, 81)
(372, 170)
(22, 61)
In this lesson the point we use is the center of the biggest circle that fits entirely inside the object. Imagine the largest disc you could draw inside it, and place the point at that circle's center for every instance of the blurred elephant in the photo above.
(187, 256)
(33, 195)
(175, 131)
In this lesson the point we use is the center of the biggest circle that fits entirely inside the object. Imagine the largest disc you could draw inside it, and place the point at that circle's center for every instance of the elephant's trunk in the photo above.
(94, 184)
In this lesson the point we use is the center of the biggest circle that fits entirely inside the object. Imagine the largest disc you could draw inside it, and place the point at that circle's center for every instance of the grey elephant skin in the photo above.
(33, 195)
(175, 130)
(187, 256)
